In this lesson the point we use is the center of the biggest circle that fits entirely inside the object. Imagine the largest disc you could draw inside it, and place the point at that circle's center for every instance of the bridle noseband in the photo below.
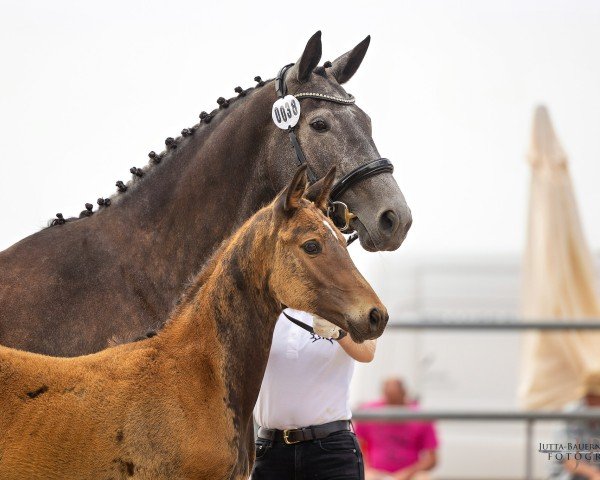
(337, 210)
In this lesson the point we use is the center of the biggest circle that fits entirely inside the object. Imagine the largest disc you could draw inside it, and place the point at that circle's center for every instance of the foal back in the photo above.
(112, 415)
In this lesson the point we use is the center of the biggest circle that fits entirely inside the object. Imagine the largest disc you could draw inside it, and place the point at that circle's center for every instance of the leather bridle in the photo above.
(337, 210)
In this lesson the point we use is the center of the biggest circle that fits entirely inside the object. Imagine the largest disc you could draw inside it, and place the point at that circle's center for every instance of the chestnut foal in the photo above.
(179, 405)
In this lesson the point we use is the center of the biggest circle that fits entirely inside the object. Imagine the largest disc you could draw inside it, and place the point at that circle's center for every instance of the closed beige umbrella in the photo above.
(558, 281)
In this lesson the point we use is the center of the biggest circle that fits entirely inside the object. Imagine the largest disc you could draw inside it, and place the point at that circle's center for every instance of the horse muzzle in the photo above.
(370, 326)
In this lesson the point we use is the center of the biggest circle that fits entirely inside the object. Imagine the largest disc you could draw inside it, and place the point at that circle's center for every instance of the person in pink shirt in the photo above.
(397, 450)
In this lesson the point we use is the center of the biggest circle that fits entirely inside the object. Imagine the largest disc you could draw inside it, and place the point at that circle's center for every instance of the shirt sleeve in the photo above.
(361, 430)
(429, 440)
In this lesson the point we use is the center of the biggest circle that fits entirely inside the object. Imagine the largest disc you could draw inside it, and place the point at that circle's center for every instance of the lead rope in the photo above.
(300, 323)
(306, 327)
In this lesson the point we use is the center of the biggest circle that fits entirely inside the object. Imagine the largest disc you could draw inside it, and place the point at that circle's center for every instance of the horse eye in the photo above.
(312, 247)
(319, 125)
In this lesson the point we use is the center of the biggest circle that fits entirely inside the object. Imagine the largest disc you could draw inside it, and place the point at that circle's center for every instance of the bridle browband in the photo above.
(338, 211)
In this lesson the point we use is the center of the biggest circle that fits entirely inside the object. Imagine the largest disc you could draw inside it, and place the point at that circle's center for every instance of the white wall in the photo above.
(88, 88)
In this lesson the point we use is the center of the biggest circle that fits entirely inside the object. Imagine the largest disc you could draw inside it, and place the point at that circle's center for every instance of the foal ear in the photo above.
(344, 67)
(323, 196)
(310, 58)
(295, 190)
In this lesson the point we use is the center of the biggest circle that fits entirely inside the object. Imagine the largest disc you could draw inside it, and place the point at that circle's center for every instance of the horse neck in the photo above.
(233, 300)
(199, 194)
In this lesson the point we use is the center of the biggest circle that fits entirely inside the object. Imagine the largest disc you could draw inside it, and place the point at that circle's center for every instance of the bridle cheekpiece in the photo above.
(286, 112)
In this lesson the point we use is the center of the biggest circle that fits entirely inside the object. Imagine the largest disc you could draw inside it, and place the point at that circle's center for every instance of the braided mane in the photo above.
(155, 159)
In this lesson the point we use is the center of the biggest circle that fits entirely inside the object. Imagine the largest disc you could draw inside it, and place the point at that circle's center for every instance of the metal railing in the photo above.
(399, 414)
(493, 325)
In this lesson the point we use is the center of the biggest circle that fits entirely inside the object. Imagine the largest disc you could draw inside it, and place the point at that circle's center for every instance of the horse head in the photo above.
(312, 270)
(333, 130)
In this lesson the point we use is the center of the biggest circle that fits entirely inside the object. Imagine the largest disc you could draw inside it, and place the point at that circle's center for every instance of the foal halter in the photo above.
(337, 210)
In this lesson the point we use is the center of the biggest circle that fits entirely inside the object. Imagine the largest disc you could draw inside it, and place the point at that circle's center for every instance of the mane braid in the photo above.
(172, 145)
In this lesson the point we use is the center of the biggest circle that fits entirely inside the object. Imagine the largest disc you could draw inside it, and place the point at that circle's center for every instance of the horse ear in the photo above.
(322, 199)
(310, 58)
(295, 190)
(344, 67)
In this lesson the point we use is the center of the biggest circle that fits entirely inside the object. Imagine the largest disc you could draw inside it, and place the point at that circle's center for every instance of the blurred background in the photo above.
(87, 89)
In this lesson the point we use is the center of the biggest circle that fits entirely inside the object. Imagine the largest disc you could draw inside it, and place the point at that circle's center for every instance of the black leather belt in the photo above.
(297, 435)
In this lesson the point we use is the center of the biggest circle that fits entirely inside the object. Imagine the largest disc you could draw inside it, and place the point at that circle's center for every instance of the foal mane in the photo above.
(155, 159)
(193, 285)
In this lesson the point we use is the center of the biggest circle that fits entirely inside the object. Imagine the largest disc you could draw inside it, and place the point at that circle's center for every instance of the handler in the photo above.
(303, 407)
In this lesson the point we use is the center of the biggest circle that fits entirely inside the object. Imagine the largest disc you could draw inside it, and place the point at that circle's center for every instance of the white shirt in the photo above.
(307, 380)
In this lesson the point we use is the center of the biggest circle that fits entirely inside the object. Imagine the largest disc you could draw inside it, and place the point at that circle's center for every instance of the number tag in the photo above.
(286, 112)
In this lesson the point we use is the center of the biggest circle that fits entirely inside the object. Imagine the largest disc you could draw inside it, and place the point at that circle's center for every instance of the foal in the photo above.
(179, 405)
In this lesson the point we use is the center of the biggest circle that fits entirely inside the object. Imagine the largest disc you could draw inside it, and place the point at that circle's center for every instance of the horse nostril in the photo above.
(408, 223)
(389, 221)
(375, 318)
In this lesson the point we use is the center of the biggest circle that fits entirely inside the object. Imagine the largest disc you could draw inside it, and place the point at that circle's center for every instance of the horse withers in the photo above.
(179, 405)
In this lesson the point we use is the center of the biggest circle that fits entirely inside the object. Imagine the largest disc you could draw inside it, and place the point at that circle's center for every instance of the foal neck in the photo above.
(231, 305)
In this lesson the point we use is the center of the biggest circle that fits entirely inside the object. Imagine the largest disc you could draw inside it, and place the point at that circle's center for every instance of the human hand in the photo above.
(325, 329)
(402, 475)
(373, 474)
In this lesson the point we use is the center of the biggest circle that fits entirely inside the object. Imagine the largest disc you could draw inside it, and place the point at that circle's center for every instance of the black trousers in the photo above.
(336, 457)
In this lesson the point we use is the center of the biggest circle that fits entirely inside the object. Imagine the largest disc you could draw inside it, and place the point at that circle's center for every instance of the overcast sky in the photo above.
(87, 89)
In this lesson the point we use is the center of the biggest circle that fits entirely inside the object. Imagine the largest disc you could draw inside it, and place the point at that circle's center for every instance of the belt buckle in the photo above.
(286, 439)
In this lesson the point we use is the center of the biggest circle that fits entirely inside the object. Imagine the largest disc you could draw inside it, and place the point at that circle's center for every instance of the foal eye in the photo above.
(319, 125)
(312, 247)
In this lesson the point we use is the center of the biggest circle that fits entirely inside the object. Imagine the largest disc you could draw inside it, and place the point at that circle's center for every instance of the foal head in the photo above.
(312, 270)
